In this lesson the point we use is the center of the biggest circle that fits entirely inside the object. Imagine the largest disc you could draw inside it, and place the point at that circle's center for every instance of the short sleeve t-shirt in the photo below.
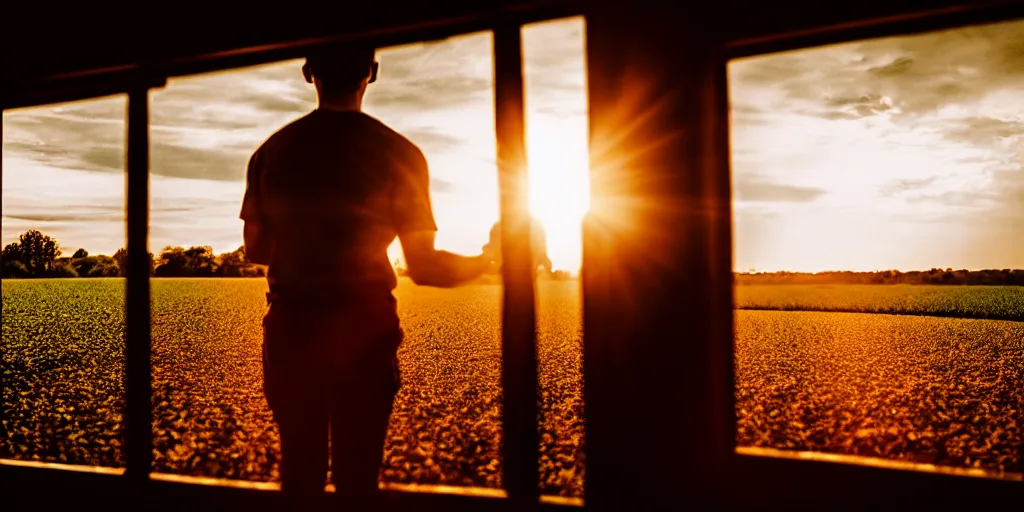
(331, 191)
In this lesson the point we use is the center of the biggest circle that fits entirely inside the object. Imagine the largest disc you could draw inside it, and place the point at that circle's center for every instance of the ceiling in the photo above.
(58, 54)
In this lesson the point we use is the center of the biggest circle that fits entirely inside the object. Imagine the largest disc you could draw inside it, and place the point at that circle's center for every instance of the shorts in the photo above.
(322, 355)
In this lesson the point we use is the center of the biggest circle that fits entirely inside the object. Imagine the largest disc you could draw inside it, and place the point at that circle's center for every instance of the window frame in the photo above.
(799, 476)
(747, 474)
(520, 448)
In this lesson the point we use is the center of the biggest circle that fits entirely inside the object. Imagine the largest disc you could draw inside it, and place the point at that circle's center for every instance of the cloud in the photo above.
(64, 217)
(77, 136)
(908, 185)
(454, 73)
(743, 113)
(894, 68)
(982, 131)
(554, 72)
(963, 198)
(432, 93)
(205, 127)
(430, 140)
(854, 108)
(218, 164)
(753, 188)
(919, 74)
(441, 186)
(563, 110)
(284, 104)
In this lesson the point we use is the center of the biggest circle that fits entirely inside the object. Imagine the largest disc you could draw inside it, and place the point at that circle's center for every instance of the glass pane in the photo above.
(557, 153)
(63, 298)
(212, 418)
(445, 428)
(878, 193)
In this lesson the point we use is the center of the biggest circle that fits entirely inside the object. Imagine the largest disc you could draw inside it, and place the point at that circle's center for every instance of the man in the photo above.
(326, 195)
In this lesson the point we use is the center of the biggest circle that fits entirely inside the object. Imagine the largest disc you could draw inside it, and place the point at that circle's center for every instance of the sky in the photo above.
(903, 153)
(896, 153)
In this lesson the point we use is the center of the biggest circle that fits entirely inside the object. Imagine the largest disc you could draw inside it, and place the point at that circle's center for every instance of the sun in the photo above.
(559, 187)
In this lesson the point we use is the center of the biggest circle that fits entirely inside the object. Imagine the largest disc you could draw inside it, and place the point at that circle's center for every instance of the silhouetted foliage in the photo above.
(96, 266)
(14, 269)
(989, 277)
(538, 242)
(36, 252)
(38, 255)
(121, 260)
(235, 264)
(200, 261)
(62, 269)
(561, 275)
(41, 259)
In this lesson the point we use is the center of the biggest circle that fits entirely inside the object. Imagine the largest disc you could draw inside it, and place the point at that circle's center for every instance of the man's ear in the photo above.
(307, 74)
(373, 72)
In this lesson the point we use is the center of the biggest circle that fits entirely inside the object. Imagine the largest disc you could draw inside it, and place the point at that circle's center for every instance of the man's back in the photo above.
(333, 189)
(326, 195)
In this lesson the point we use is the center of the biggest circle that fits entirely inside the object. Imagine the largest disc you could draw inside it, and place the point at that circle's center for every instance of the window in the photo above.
(642, 310)
(209, 416)
(63, 295)
(557, 159)
(877, 207)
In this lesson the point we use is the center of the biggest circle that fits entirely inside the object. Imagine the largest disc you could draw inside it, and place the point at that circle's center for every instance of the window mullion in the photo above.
(138, 386)
(519, 352)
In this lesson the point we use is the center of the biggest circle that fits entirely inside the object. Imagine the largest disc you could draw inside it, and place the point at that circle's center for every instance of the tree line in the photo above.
(36, 255)
(989, 277)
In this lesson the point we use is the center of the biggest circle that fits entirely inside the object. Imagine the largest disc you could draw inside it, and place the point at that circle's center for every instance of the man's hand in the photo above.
(492, 254)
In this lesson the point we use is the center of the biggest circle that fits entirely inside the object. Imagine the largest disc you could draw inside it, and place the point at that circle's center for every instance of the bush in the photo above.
(15, 269)
(103, 270)
(62, 270)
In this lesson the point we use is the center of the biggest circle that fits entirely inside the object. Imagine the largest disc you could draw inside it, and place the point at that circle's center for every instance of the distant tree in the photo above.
(196, 261)
(14, 269)
(36, 251)
(201, 261)
(62, 269)
(121, 261)
(96, 266)
(988, 277)
(80, 253)
(173, 262)
(236, 264)
(12, 252)
(231, 264)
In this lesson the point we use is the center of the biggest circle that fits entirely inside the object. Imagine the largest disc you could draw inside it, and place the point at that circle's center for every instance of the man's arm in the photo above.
(428, 266)
(253, 231)
(414, 221)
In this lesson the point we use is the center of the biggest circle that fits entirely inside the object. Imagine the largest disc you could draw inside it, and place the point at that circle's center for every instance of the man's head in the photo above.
(341, 69)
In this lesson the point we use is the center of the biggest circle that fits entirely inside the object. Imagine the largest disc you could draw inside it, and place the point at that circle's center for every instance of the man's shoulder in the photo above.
(298, 132)
(285, 133)
(398, 142)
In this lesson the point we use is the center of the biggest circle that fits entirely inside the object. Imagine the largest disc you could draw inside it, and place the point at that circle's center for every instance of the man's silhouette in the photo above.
(326, 195)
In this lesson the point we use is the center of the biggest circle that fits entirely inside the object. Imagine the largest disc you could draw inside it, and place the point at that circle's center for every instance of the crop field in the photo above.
(983, 302)
(928, 388)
